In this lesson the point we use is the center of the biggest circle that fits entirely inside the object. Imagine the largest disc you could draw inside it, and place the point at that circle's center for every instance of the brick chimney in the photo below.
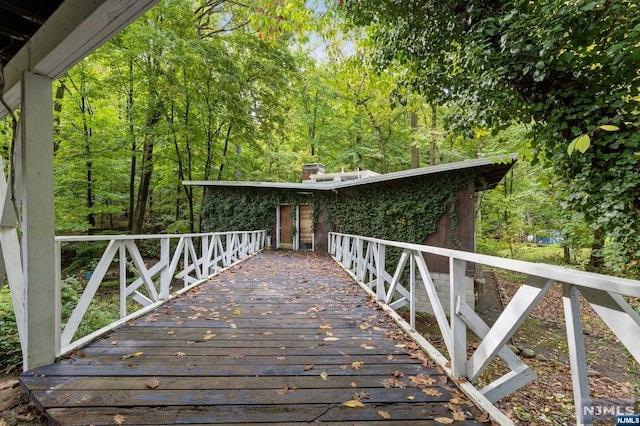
(311, 169)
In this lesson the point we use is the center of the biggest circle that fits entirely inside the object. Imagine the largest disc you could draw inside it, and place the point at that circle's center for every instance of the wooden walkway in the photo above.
(282, 338)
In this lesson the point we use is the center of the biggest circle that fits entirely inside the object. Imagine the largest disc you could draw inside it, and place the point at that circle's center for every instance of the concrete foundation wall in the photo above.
(441, 283)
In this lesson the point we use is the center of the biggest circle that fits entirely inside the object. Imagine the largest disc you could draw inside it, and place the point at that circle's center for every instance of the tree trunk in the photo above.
(224, 152)
(134, 148)
(434, 126)
(144, 188)
(87, 133)
(596, 260)
(57, 108)
(415, 153)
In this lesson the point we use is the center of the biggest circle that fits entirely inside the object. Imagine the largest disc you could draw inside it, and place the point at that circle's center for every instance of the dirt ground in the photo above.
(15, 409)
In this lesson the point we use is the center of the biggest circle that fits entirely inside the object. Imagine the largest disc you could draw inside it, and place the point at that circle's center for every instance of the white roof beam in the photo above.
(75, 30)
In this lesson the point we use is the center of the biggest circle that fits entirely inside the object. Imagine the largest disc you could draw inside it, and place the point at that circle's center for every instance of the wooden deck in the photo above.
(282, 338)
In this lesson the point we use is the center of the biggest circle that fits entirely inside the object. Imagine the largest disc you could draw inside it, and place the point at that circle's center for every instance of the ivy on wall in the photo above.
(406, 210)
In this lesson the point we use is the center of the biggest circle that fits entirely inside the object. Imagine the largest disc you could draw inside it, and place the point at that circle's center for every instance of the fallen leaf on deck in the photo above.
(458, 416)
(393, 383)
(397, 373)
(361, 395)
(384, 414)
(179, 354)
(353, 385)
(411, 397)
(135, 354)
(353, 403)
(422, 380)
(286, 390)
(233, 326)
(237, 311)
(119, 419)
(326, 326)
(331, 339)
(324, 375)
(457, 401)
(268, 333)
(114, 342)
(431, 392)
(281, 358)
(444, 420)
(483, 418)
(308, 367)
(210, 335)
(356, 364)
(153, 382)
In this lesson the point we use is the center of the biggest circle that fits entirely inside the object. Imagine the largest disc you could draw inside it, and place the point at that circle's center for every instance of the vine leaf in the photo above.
(609, 128)
(581, 143)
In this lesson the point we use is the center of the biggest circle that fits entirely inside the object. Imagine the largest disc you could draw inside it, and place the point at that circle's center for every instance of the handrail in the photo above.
(365, 260)
(149, 286)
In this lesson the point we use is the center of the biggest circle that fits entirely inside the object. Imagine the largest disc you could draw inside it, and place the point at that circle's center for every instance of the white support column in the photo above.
(38, 224)
(58, 297)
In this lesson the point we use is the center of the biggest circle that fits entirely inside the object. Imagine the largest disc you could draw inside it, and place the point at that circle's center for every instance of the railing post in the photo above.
(412, 288)
(123, 278)
(165, 274)
(185, 260)
(577, 357)
(458, 327)
(205, 256)
(380, 291)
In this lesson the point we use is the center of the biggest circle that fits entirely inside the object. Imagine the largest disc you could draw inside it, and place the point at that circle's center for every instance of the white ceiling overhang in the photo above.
(76, 28)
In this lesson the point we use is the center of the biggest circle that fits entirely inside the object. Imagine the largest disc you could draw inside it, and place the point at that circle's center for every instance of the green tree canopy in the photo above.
(566, 67)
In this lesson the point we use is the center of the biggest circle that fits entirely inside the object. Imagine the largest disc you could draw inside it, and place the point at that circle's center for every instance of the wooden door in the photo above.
(286, 227)
(306, 228)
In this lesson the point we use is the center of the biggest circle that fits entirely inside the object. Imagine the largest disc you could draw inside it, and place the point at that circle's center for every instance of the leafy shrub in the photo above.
(9, 342)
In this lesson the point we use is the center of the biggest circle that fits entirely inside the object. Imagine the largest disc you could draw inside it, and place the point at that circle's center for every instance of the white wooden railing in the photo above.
(364, 258)
(149, 286)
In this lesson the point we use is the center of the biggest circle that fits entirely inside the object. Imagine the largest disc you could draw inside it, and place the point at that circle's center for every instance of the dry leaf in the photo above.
(119, 419)
(281, 358)
(326, 327)
(153, 382)
(457, 401)
(308, 367)
(237, 311)
(361, 395)
(458, 416)
(268, 333)
(135, 354)
(353, 385)
(324, 375)
(356, 364)
(353, 403)
(393, 383)
(384, 414)
(286, 390)
(233, 326)
(331, 339)
(397, 373)
(422, 380)
(444, 420)
(171, 332)
(432, 392)
(179, 354)
(114, 342)
(483, 418)
(411, 397)
(209, 335)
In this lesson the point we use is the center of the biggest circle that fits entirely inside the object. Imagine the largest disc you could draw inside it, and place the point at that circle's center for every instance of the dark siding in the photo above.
(464, 231)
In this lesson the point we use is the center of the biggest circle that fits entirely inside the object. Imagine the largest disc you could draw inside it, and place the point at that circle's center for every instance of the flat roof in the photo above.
(492, 169)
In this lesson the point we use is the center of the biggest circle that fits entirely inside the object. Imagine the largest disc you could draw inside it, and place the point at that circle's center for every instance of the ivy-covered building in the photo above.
(432, 205)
